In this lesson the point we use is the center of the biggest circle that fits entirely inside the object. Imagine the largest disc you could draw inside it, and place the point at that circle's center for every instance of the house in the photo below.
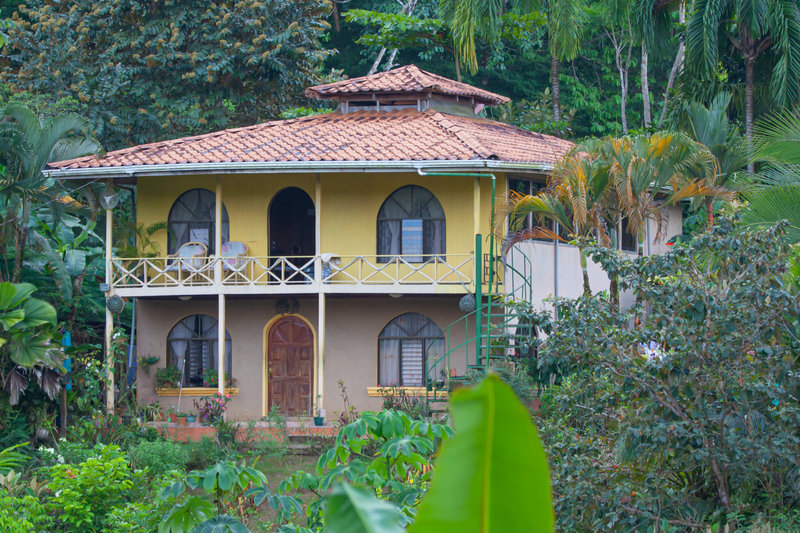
(332, 248)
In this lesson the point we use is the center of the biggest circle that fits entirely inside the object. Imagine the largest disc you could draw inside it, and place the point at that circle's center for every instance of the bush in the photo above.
(203, 454)
(84, 493)
(683, 409)
(159, 457)
(22, 515)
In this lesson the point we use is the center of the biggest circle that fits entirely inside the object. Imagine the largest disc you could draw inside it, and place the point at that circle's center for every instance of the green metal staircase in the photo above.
(484, 337)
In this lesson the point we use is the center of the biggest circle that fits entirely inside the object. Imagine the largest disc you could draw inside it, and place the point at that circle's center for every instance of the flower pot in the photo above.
(180, 420)
(191, 419)
(319, 420)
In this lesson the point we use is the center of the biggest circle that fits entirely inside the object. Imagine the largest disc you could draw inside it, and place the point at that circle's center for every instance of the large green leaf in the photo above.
(12, 318)
(38, 312)
(11, 294)
(221, 524)
(185, 516)
(493, 475)
(355, 510)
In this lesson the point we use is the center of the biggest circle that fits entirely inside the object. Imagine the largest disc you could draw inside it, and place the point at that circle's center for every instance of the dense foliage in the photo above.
(689, 416)
(142, 71)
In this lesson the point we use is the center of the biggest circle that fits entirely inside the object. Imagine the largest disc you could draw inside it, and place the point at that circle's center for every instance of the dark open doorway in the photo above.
(292, 224)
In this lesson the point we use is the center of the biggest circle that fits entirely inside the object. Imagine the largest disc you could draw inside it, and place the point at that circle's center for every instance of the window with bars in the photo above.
(405, 346)
(411, 223)
(192, 344)
(192, 219)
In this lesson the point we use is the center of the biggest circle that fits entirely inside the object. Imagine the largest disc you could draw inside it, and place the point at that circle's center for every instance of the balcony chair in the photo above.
(191, 257)
(234, 258)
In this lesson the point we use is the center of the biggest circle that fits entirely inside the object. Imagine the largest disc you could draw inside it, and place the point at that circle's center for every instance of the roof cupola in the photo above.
(407, 87)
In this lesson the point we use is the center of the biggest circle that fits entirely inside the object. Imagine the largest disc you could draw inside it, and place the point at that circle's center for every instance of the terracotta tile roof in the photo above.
(401, 135)
(407, 79)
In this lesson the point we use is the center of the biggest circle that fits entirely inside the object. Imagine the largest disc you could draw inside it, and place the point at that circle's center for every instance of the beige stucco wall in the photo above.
(353, 326)
(570, 278)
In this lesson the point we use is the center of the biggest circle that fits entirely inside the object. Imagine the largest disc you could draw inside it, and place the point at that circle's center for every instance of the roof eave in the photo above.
(274, 167)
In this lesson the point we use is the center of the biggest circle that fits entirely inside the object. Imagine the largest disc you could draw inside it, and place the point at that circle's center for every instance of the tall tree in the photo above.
(29, 144)
(564, 21)
(752, 27)
(143, 71)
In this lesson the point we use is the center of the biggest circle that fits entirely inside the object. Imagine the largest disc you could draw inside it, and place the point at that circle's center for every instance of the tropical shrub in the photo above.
(85, 493)
(22, 514)
(388, 452)
(226, 482)
(159, 457)
(212, 408)
(684, 408)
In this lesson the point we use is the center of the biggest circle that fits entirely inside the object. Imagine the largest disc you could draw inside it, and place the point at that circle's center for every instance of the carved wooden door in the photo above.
(290, 366)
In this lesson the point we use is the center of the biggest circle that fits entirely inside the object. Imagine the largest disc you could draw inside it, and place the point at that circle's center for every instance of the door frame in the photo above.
(265, 355)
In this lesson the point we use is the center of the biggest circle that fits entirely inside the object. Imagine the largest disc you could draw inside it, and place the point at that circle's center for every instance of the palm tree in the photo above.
(649, 173)
(753, 27)
(574, 200)
(563, 25)
(30, 143)
(711, 127)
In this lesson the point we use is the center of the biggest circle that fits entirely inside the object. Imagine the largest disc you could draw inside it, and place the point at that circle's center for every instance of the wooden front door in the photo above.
(290, 366)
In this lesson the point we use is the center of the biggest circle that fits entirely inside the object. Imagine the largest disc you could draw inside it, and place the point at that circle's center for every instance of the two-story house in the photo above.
(331, 247)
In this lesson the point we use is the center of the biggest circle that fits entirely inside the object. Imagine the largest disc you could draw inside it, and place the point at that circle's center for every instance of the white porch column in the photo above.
(109, 332)
(221, 342)
(321, 352)
(218, 234)
(218, 283)
(319, 400)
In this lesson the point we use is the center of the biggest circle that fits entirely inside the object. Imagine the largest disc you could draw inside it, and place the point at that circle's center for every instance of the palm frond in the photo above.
(770, 205)
(778, 138)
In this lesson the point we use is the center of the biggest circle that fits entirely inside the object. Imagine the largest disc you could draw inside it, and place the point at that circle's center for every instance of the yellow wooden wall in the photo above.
(349, 210)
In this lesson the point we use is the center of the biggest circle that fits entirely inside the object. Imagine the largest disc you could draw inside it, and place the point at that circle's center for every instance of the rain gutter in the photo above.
(283, 167)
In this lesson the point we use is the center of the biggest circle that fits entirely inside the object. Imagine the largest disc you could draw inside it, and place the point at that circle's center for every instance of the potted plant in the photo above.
(190, 418)
(167, 378)
(319, 420)
(171, 414)
(146, 361)
(211, 379)
(180, 418)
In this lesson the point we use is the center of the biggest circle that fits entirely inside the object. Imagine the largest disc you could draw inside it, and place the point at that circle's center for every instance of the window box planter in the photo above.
(195, 391)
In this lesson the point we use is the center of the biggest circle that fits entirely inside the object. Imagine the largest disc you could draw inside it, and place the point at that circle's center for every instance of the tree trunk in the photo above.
(21, 239)
(748, 106)
(587, 290)
(623, 81)
(645, 87)
(677, 65)
(556, 87)
(390, 63)
(377, 63)
(710, 211)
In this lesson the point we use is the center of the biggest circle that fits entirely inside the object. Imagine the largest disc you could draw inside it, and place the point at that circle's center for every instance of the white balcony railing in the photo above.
(322, 273)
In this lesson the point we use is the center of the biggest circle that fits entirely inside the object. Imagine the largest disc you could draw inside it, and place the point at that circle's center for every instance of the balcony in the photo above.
(327, 273)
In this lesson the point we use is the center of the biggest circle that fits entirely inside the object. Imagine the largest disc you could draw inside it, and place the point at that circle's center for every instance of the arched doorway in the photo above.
(290, 366)
(292, 224)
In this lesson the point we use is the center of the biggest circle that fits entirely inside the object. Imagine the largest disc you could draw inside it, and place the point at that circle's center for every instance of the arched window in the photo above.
(193, 343)
(191, 219)
(411, 223)
(403, 347)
